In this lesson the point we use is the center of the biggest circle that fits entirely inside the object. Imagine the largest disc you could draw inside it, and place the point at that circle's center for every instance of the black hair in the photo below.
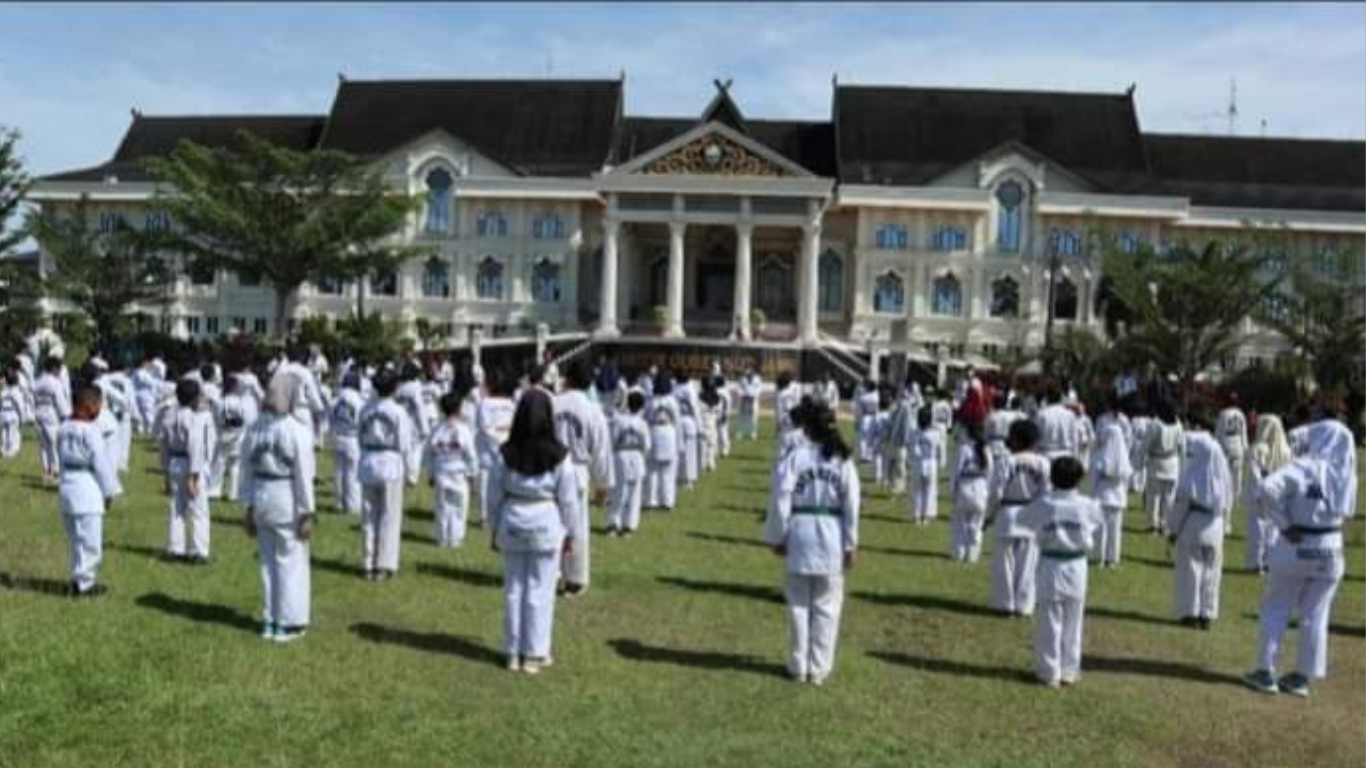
(531, 447)
(52, 364)
(664, 384)
(411, 371)
(206, 372)
(635, 402)
(709, 394)
(502, 383)
(925, 416)
(1066, 473)
(784, 379)
(979, 443)
(230, 384)
(802, 410)
(187, 392)
(88, 394)
(1022, 436)
(351, 380)
(1199, 419)
(577, 376)
(819, 425)
(296, 353)
(1166, 411)
(450, 403)
(385, 383)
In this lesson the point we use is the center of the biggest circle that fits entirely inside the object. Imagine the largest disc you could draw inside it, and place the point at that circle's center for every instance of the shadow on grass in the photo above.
(724, 539)
(1155, 668)
(225, 520)
(1346, 630)
(417, 513)
(151, 553)
(337, 566)
(417, 538)
(34, 584)
(1101, 612)
(463, 575)
(431, 642)
(956, 668)
(654, 654)
(200, 613)
(929, 603)
(751, 591)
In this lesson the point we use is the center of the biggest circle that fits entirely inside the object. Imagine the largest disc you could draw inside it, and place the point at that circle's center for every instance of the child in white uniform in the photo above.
(661, 476)
(232, 424)
(492, 423)
(386, 437)
(1016, 483)
(344, 423)
(88, 481)
(51, 406)
(1267, 456)
(630, 445)
(927, 452)
(451, 460)
(1110, 487)
(971, 488)
(13, 414)
(187, 442)
(1204, 499)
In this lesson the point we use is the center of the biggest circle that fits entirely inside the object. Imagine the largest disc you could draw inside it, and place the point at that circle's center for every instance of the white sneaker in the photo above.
(269, 630)
(285, 636)
(514, 663)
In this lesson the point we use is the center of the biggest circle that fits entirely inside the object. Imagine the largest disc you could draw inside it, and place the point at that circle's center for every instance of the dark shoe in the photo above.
(1261, 681)
(1205, 623)
(573, 590)
(368, 575)
(1294, 684)
(628, 533)
(1189, 621)
(197, 560)
(171, 557)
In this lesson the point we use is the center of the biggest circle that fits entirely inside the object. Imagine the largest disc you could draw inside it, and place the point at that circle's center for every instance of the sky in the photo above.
(69, 74)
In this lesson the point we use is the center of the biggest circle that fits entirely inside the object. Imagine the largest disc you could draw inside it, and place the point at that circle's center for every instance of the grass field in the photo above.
(672, 659)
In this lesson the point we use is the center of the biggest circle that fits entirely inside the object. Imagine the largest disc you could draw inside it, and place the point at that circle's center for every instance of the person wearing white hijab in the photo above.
(1204, 499)
(1268, 455)
(1308, 500)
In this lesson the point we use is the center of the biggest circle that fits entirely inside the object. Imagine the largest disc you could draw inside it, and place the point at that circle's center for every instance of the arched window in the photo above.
(946, 296)
(1009, 216)
(436, 279)
(488, 283)
(438, 201)
(831, 282)
(950, 237)
(1065, 242)
(545, 281)
(548, 227)
(892, 236)
(889, 294)
(1130, 242)
(1065, 299)
(1005, 297)
(491, 224)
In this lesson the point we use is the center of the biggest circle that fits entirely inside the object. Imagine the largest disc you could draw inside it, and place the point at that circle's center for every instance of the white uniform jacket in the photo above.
(815, 511)
(386, 441)
(278, 470)
(533, 513)
(88, 474)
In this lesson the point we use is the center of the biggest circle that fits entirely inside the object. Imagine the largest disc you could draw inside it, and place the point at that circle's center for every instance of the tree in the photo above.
(19, 285)
(1323, 317)
(99, 273)
(429, 334)
(283, 216)
(1182, 310)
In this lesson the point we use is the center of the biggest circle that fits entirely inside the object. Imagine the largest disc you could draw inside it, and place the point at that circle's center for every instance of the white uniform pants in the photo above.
(223, 472)
(483, 493)
(723, 438)
(575, 566)
(687, 459)
(85, 547)
(47, 446)
(452, 505)
(414, 461)
(1158, 496)
(749, 425)
(661, 484)
(1057, 639)
(1111, 535)
(347, 472)
(529, 602)
(813, 610)
(1235, 471)
(1303, 579)
(893, 470)
(925, 498)
(1199, 568)
(965, 538)
(381, 525)
(1262, 535)
(286, 581)
(188, 513)
(624, 509)
(147, 413)
(11, 439)
(1013, 562)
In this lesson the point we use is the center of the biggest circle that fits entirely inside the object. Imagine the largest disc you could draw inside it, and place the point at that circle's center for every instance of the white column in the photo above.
(675, 327)
(743, 257)
(607, 316)
(808, 294)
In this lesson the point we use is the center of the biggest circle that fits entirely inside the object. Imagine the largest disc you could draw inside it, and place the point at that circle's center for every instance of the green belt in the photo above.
(829, 511)
(1063, 554)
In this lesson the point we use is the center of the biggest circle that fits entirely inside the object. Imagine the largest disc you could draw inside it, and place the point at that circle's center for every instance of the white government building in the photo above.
(925, 216)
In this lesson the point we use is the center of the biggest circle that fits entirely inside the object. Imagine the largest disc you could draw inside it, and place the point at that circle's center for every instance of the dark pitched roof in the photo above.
(808, 144)
(537, 127)
(911, 135)
(1260, 172)
(156, 135)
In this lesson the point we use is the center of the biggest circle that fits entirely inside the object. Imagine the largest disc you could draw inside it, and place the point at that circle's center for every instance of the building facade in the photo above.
(934, 221)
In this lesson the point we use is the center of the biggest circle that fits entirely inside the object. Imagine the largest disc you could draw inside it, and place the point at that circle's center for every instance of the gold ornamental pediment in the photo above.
(713, 155)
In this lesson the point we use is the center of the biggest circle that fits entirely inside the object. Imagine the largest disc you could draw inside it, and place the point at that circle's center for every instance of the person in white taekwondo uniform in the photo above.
(1230, 429)
(688, 409)
(813, 524)
(277, 489)
(1059, 433)
(308, 399)
(1016, 483)
(51, 405)
(533, 501)
(971, 490)
(581, 427)
(492, 425)
(117, 390)
(232, 423)
(386, 445)
(1110, 485)
(88, 482)
(187, 442)
(344, 415)
(927, 454)
(1268, 455)
(1064, 524)
(630, 446)
(451, 460)
(1164, 446)
(661, 466)
(14, 413)
(1204, 499)
(786, 397)
(1307, 500)
(751, 386)
(409, 397)
(866, 405)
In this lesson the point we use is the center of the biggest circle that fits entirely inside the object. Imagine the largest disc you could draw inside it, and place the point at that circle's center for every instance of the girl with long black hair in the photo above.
(971, 490)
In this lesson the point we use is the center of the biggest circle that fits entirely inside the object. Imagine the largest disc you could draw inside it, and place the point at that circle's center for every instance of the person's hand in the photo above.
(780, 549)
(192, 486)
(568, 547)
(849, 558)
(249, 522)
(304, 528)
(1171, 538)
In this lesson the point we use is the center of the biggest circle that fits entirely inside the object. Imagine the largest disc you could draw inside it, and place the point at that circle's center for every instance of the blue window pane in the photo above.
(489, 279)
(889, 294)
(946, 296)
(1009, 197)
(438, 201)
(545, 281)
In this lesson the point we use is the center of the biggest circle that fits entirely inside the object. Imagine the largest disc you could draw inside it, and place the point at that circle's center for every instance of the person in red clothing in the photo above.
(976, 405)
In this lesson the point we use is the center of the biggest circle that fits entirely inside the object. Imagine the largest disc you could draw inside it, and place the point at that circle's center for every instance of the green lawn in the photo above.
(673, 659)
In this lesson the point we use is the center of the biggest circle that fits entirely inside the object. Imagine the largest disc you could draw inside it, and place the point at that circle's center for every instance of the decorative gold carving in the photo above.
(712, 155)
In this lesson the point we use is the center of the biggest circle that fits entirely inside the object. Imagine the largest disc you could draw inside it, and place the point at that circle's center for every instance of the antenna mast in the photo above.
(1232, 106)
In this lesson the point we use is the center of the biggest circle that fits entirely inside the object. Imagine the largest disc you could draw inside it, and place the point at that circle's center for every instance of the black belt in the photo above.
(1014, 503)
(1201, 510)
(1063, 554)
(272, 476)
(1317, 530)
(178, 454)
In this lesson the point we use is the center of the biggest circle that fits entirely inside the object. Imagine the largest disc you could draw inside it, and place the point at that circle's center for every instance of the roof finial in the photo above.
(834, 79)
(137, 113)
(621, 74)
(341, 76)
(1130, 90)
